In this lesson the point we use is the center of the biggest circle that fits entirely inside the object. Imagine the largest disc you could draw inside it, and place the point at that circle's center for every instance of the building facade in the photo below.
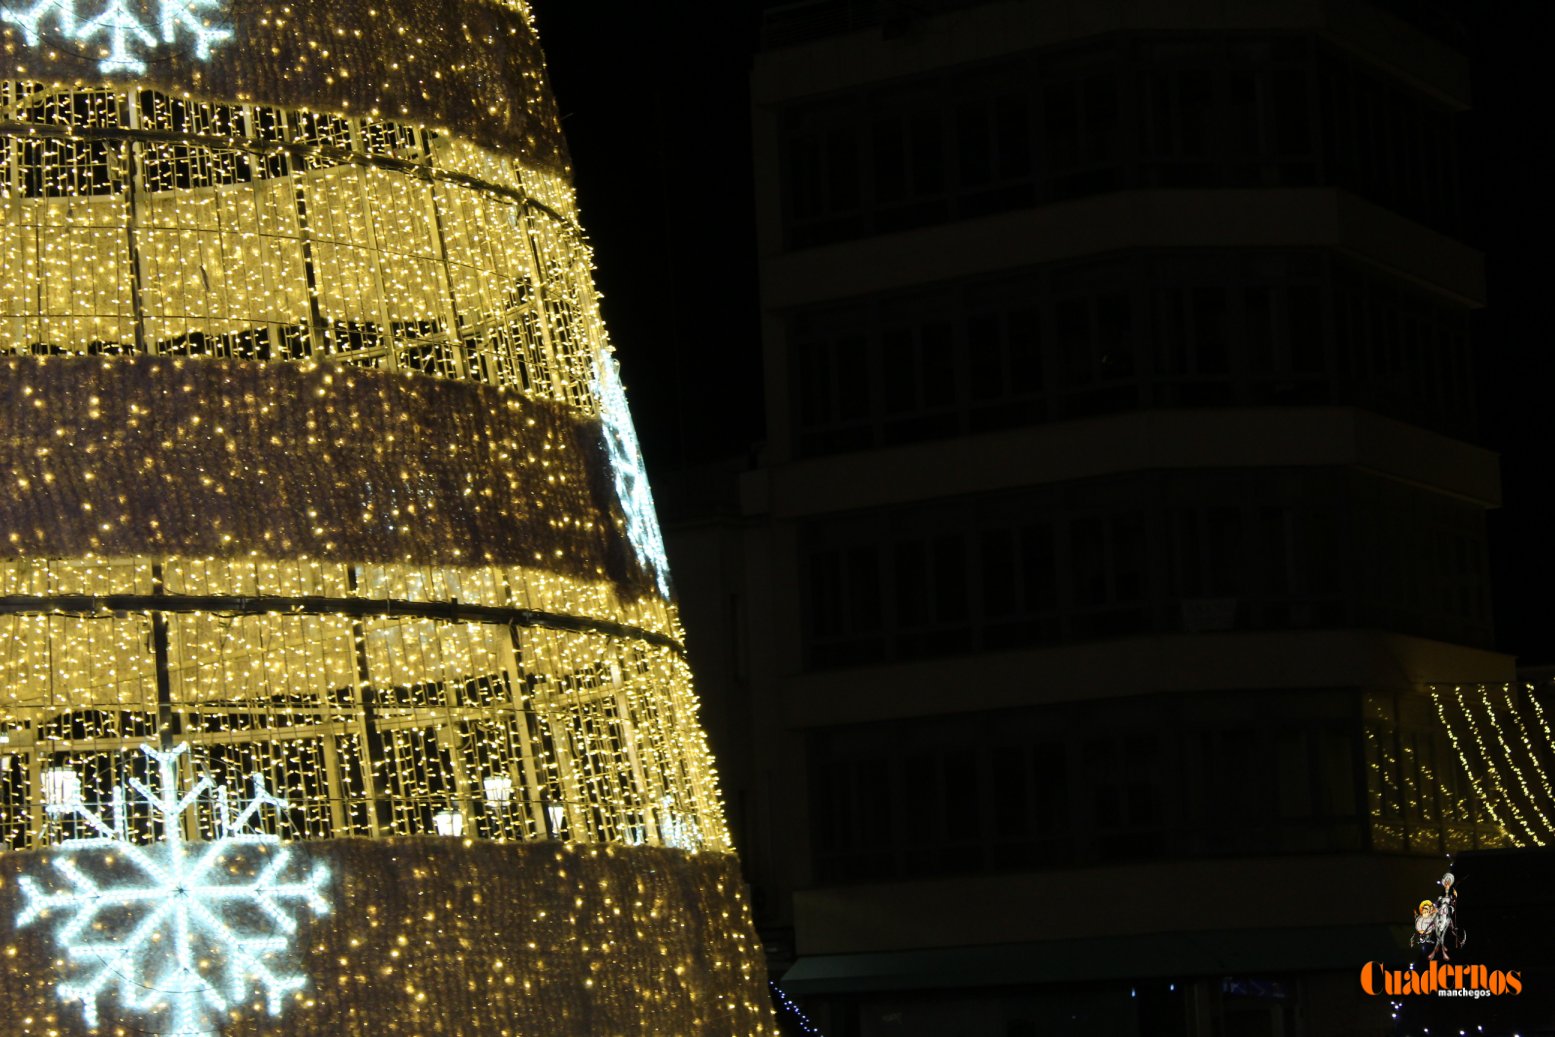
(1119, 503)
(342, 680)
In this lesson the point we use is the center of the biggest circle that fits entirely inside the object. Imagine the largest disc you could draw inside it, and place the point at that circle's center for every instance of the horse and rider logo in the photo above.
(1439, 935)
(1436, 924)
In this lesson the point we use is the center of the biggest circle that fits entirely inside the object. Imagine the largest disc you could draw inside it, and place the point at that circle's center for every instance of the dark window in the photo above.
(918, 366)
(994, 152)
(1083, 123)
(1214, 110)
(1109, 573)
(1093, 325)
(1195, 551)
(823, 175)
(844, 596)
(1185, 775)
(931, 596)
(908, 150)
(833, 373)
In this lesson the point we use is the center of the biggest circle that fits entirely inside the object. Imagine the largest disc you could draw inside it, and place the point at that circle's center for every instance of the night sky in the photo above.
(1510, 153)
(655, 104)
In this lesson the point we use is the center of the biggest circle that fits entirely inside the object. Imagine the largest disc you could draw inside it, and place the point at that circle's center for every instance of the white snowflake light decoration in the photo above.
(168, 927)
(122, 27)
(631, 478)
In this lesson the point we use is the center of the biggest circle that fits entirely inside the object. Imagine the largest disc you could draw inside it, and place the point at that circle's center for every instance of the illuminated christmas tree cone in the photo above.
(341, 688)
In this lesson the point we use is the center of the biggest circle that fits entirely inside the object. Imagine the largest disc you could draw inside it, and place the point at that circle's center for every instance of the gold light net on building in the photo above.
(141, 223)
(437, 937)
(320, 482)
(1502, 738)
(381, 692)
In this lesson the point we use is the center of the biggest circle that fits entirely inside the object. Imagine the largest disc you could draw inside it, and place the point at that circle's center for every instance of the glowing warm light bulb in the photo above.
(321, 468)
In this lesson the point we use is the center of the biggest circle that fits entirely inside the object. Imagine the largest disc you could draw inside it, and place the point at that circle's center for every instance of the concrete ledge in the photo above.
(1123, 667)
(1189, 901)
(1133, 441)
(992, 31)
(1299, 217)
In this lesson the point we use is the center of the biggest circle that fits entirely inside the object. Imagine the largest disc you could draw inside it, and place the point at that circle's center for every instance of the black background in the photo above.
(655, 101)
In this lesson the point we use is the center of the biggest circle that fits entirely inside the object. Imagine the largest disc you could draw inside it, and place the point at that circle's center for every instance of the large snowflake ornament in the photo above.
(119, 24)
(122, 27)
(631, 476)
(180, 930)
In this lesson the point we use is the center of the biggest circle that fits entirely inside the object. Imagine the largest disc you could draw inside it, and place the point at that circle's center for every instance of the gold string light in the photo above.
(1541, 831)
(1498, 781)
(301, 362)
(1526, 742)
(382, 250)
(477, 938)
(1538, 712)
(471, 69)
(1473, 770)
